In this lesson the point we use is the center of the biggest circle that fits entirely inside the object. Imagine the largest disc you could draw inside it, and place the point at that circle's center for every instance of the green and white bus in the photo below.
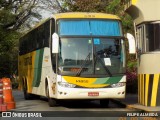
(74, 56)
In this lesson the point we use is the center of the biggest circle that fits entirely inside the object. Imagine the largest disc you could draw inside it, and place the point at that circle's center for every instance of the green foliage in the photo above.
(132, 64)
(6, 17)
(86, 6)
(8, 52)
(117, 8)
(114, 7)
(13, 14)
(8, 41)
(127, 24)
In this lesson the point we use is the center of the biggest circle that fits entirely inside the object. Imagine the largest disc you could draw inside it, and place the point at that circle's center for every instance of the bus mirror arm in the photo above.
(55, 43)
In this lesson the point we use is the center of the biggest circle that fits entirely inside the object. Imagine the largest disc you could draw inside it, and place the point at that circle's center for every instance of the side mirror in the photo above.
(55, 43)
(132, 43)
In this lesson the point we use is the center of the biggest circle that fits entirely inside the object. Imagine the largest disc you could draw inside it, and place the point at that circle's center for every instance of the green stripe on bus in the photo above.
(109, 80)
(38, 67)
(113, 80)
(101, 80)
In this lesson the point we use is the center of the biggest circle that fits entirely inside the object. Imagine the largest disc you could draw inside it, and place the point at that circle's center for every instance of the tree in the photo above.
(86, 5)
(54, 6)
(74, 5)
(116, 7)
(13, 15)
(8, 51)
(17, 12)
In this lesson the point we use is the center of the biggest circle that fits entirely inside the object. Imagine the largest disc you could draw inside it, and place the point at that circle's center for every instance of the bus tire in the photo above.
(51, 102)
(104, 103)
(27, 96)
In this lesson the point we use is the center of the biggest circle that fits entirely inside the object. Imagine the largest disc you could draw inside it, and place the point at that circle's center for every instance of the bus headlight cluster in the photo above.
(120, 84)
(64, 84)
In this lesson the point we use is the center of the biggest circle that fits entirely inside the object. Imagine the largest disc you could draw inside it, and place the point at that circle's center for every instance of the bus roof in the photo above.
(85, 15)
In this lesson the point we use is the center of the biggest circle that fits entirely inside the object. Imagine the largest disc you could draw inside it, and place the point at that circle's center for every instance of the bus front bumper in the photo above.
(82, 93)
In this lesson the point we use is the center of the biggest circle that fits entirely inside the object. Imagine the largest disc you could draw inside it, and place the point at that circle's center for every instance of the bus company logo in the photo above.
(81, 81)
(6, 114)
(28, 61)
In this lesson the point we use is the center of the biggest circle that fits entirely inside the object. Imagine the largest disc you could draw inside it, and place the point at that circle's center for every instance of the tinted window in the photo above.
(36, 39)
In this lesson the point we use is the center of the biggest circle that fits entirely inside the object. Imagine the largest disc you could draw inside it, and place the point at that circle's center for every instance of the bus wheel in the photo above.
(51, 102)
(104, 102)
(27, 96)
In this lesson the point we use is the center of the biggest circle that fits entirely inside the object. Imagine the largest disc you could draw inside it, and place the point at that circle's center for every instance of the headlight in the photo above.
(64, 84)
(120, 84)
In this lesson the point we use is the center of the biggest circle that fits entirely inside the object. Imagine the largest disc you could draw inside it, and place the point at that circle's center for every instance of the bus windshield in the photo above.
(97, 50)
(78, 52)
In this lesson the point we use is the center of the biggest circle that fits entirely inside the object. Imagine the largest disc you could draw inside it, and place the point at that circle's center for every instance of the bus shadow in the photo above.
(87, 104)
(77, 104)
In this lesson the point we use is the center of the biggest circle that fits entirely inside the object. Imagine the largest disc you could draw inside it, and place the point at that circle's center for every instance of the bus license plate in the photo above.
(93, 93)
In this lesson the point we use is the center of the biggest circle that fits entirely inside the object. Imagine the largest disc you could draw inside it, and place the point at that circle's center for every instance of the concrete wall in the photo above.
(149, 63)
(145, 10)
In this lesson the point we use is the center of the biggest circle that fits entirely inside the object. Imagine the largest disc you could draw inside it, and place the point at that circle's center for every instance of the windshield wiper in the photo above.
(105, 67)
(86, 60)
(82, 66)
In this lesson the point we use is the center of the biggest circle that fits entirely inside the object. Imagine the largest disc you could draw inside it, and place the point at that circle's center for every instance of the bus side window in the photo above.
(39, 37)
(33, 35)
(46, 34)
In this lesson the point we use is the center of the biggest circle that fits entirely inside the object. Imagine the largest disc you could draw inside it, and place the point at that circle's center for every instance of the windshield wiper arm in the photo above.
(105, 67)
(82, 66)
(86, 60)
